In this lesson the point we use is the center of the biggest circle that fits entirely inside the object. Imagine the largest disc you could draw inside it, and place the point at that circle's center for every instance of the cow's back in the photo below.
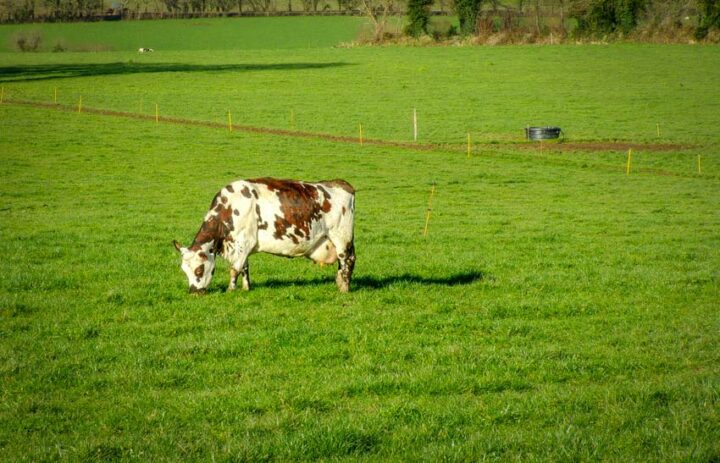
(293, 218)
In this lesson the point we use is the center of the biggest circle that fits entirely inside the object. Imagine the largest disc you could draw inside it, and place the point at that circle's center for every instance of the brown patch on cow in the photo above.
(225, 216)
(223, 199)
(246, 192)
(326, 206)
(255, 193)
(262, 225)
(324, 192)
(203, 256)
(200, 271)
(236, 212)
(230, 189)
(281, 227)
(344, 210)
(299, 206)
(215, 201)
(341, 255)
(216, 228)
(339, 183)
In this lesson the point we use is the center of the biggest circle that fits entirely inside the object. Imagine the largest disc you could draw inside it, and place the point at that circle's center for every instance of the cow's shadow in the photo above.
(370, 282)
(37, 72)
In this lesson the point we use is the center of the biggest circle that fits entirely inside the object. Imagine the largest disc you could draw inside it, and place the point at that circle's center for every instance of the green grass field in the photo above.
(193, 34)
(558, 310)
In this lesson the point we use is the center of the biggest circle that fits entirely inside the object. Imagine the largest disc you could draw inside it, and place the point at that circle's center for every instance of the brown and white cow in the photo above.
(282, 217)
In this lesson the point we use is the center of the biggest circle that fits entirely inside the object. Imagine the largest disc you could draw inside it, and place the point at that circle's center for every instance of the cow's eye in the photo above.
(199, 271)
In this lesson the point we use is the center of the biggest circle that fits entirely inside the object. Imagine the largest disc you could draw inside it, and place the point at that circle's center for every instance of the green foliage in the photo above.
(17, 10)
(418, 14)
(559, 310)
(607, 16)
(710, 17)
(468, 11)
(66, 10)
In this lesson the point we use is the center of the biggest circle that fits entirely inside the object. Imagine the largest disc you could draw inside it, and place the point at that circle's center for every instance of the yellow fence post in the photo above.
(468, 146)
(629, 159)
(229, 121)
(361, 135)
(55, 96)
(699, 168)
(80, 104)
(415, 130)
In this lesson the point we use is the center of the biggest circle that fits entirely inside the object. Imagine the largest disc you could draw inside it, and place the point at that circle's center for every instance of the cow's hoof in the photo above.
(343, 286)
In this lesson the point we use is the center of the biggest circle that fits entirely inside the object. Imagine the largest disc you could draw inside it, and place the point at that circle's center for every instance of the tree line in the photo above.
(476, 17)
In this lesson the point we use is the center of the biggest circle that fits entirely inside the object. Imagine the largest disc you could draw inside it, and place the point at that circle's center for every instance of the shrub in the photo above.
(418, 13)
(608, 16)
(27, 40)
(468, 11)
(60, 46)
(710, 16)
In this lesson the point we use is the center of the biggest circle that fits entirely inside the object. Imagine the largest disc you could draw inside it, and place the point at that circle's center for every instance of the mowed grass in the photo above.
(187, 34)
(557, 310)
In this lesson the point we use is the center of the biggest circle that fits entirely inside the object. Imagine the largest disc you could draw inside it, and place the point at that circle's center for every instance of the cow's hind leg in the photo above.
(346, 264)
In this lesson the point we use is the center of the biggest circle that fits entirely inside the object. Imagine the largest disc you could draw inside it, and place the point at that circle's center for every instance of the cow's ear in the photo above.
(178, 246)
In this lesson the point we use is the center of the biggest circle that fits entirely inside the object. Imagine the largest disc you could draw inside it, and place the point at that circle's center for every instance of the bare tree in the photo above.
(261, 6)
(377, 11)
(310, 5)
(347, 5)
(223, 6)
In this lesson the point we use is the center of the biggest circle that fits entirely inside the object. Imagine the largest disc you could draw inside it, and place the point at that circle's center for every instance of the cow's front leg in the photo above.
(346, 264)
(243, 272)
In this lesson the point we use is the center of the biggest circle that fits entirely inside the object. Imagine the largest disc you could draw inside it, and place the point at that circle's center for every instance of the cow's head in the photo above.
(199, 267)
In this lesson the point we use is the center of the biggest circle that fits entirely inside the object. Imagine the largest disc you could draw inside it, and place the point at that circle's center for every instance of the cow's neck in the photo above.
(208, 247)
(211, 236)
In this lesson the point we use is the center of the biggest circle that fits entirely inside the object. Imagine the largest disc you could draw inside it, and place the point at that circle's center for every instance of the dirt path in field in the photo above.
(601, 146)
(549, 147)
(235, 127)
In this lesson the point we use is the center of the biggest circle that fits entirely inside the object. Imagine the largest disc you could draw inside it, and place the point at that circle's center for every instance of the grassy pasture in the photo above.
(190, 34)
(558, 309)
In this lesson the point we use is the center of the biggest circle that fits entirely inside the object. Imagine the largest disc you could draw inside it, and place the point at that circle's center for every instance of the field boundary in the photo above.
(428, 147)
(223, 126)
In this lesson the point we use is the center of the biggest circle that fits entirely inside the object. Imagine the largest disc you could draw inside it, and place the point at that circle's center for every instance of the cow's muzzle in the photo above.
(196, 290)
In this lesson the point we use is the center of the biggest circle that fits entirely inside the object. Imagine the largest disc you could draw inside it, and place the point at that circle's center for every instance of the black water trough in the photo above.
(542, 133)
